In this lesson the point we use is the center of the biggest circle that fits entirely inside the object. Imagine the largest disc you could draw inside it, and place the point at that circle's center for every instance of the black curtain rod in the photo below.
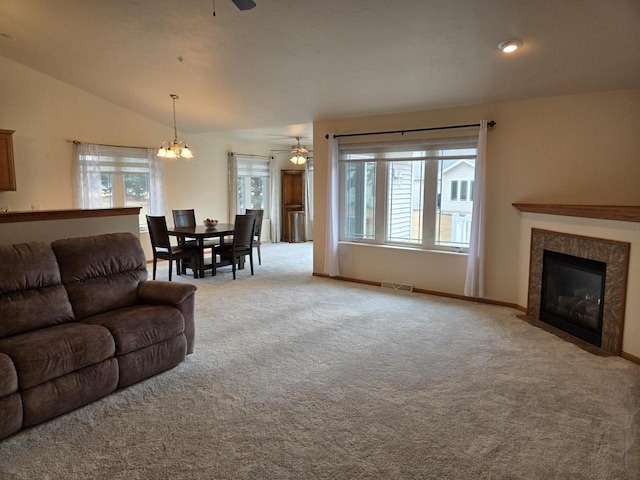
(76, 142)
(251, 155)
(489, 124)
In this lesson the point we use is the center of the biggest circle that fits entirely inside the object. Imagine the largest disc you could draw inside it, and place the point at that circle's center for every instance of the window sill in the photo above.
(405, 248)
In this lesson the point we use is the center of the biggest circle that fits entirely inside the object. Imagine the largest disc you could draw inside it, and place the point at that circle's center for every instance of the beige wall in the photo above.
(574, 149)
(46, 114)
(50, 230)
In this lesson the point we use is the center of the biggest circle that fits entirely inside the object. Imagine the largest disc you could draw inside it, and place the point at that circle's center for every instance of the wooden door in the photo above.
(293, 194)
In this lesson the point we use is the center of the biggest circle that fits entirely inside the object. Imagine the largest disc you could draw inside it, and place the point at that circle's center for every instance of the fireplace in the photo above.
(572, 295)
(578, 284)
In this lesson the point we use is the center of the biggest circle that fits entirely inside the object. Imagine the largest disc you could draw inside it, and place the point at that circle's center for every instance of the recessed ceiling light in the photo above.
(510, 46)
(6, 36)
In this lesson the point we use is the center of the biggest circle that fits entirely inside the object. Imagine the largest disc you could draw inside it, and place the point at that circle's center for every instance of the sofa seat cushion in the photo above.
(140, 326)
(151, 360)
(69, 392)
(8, 376)
(11, 415)
(51, 352)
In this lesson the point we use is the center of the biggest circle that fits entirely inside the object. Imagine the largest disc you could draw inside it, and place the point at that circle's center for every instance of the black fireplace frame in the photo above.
(612, 252)
(566, 323)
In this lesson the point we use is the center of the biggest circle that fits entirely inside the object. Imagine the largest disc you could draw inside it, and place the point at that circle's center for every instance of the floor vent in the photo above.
(400, 287)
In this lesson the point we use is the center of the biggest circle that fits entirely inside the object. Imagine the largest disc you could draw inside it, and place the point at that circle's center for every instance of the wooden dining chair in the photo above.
(258, 229)
(187, 218)
(162, 248)
(242, 243)
(184, 218)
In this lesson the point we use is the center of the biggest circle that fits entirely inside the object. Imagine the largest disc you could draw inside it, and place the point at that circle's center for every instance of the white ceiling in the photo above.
(272, 70)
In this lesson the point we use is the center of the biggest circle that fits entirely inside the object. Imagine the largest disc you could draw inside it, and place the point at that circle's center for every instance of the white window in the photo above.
(114, 177)
(464, 194)
(408, 193)
(253, 183)
(462, 190)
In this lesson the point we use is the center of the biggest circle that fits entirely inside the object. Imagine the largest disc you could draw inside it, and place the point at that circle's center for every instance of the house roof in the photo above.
(288, 63)
(453, 164)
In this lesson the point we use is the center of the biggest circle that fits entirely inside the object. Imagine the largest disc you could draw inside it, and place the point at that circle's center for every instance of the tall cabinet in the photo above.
(7, 172)
(293, 196)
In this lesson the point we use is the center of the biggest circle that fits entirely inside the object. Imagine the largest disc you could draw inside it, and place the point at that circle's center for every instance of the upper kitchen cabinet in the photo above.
(7, 169)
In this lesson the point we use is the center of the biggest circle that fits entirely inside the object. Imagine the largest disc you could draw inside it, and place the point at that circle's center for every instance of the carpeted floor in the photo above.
(297, 377)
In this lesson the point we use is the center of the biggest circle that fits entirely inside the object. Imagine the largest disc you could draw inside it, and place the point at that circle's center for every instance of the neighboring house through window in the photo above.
(416, 194)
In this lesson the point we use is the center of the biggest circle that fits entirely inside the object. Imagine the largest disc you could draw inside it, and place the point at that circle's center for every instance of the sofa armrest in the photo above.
(178, 295)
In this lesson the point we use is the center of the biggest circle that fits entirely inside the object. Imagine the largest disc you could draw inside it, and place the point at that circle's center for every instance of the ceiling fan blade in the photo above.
(244, 4)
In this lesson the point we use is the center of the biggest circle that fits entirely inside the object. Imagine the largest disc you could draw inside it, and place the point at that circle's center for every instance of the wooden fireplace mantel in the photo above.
(623, 213)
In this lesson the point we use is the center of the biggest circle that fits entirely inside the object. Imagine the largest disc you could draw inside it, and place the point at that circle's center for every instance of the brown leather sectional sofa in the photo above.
(78, 320)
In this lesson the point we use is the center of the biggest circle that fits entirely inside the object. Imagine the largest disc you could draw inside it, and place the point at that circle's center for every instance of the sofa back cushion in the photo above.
(31, 293)
(102, 272)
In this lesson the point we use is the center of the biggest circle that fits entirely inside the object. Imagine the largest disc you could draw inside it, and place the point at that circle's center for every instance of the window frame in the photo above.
(431, 153)
(257, 167)
(117, 162)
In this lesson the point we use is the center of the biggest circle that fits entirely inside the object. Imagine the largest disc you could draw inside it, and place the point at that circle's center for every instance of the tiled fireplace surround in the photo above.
(610, 234)
(613, 253)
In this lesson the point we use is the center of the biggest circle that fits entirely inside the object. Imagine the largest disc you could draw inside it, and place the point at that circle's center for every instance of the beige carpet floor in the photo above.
(297, 377)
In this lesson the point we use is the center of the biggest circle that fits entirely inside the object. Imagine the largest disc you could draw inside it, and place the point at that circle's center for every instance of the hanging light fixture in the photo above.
(297, 151)
(298, 160)
(175, 149)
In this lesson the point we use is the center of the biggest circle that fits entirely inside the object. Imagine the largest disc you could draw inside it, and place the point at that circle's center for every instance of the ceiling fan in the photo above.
(244, 4)
(299, 153)
(241, 4)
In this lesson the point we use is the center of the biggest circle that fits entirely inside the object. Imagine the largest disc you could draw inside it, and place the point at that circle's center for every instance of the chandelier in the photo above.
(174, 149)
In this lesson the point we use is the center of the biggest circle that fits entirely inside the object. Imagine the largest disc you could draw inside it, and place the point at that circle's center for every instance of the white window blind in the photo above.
(252, 166)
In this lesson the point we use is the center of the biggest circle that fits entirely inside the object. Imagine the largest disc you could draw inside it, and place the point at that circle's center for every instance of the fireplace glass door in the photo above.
(572, 296)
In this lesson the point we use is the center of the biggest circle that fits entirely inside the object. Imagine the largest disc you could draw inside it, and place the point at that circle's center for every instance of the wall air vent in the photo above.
(399, 287)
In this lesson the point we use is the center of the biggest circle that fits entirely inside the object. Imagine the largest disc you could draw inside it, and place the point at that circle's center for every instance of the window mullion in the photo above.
(430, 204)
(342, 200)
(381, 201)
(118, 190)
(247, 192)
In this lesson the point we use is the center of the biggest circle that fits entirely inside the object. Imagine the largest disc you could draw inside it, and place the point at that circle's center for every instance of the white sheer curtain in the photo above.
(233, 186)
(274, 204)
(331, 262)
(92, 161)
(309, 198)
(273, 211)
(474, 282)
(157, 196)
(86, 176)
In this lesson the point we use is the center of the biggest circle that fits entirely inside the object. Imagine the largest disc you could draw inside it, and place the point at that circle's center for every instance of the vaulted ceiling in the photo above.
(276, 68)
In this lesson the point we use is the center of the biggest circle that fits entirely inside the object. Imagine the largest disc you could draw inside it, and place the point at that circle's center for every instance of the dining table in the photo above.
(200, 233)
